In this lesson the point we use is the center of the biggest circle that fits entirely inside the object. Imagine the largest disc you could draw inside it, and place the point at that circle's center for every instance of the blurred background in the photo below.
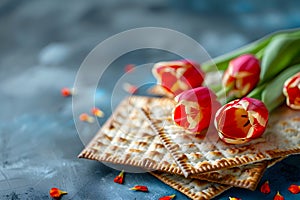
(43, 43)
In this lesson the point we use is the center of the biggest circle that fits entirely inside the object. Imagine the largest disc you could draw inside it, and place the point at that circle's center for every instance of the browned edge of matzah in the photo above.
(185, 190)
(222, 163)
(255, 174)
(88, 153)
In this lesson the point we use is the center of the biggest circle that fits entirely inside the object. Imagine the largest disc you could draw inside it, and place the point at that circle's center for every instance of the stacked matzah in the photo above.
(140, 133)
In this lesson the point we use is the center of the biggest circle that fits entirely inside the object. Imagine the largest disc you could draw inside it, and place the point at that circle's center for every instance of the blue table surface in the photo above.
(42, 46)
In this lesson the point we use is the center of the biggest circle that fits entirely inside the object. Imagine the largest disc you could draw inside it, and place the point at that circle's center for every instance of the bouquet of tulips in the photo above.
(256, 79)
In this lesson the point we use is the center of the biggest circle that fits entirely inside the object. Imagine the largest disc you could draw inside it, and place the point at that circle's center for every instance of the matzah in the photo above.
(281, 138)
(127, 139)
(193, 188)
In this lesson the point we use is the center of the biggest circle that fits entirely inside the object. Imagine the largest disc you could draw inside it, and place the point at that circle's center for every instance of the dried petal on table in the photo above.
(56, 193)
(129, 68)
(97, 112)
(141, 188)
(295, 189)
(278, 196)
(167, 197)
(120, 178)
(234, 198)
(265, 188)
(66, 92)
(131, 89)
(86, 118)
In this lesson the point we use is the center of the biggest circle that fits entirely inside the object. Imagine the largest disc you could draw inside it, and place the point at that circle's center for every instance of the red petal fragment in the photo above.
(56, 193)
(120, 178)
(66, 92)
(97, 112)
(131, 89)
(167, 197)
(265, 188)
(86, 118)
(129, 68)
(141, 188)
(295, 189)
(234, 198)
(278, 196)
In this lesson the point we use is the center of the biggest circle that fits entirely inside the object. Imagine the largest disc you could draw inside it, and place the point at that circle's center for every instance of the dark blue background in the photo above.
(42, 44)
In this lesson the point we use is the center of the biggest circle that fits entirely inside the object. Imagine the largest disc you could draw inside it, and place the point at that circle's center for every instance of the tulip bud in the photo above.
(195, 109)
(178, 76)
(241, 120)
(242, 75)
(291, 90)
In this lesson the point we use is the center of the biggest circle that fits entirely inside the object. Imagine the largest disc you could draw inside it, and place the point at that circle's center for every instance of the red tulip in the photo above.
(178, 76)
(242, 75)
(195, 109)
(241, 120)
(291, 90)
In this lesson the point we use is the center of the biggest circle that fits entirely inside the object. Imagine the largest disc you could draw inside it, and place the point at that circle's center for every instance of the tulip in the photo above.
(291, 90)
(241, 76)
(241, 120)
(195, 109)
(178, 76)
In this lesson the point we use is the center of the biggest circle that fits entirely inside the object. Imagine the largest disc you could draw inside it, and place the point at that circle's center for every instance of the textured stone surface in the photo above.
(42, 46)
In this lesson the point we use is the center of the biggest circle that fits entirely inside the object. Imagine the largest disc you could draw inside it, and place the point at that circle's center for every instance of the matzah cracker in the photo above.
(281, 138)
(193, 188)
(117, 142)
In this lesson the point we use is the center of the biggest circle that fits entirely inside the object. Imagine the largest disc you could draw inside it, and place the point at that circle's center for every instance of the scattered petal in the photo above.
(141, 188)
(56, 193)
(167, 197)
(129, 68)
(66, 92)
(234, 198)
(97, 112)
(86, 118)
(120, 178)
(295, 189)
(265, 188)
(278, 196)
(131, 89)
